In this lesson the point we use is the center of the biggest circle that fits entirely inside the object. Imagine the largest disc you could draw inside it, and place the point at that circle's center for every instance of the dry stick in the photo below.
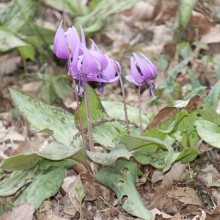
(125, 106)
(139, 102)
(88, 116)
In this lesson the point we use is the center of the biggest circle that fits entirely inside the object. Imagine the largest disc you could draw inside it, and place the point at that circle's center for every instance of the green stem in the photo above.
(139, 103)
(89, 120)
(125, 105)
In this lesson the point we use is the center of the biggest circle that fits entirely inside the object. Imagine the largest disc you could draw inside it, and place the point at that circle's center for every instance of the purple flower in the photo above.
(142, 72)
(65, 43)
(85, 65)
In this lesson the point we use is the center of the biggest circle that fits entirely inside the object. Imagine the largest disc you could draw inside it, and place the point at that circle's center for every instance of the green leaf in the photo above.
(116, 110)
(188, 155)
(194, 81)
(105, 133)
(18, 13)
(61, 86)
(133, 143)
(27, 52)
(156, 159)
(9, 41)
(46, 164)
(185, 11)
(48, 93)
(120, 151)
(209, 132)
(73, 7)
(16, 181)
(184, 49)
(57, 151)
(42, 116)
(20, 162)
(94, 20)
(121, 179)
(170, 81)
(43, 187)
(212, 98)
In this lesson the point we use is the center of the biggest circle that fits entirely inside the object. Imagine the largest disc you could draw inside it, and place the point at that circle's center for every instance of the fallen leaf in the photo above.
(177, 216)
(31, 86)
(213, 36)
(170, 112)
(161, 213)
(215, 215)
(210, 176)
(200, 216)
(55, 217)
(9, 63)
(185, 195)
(177, 173)
(21, 212)
(93, 190)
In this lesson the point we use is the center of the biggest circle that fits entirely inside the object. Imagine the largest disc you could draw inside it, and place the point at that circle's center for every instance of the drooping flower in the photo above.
(93, 66)
(142, 72)
(84, 65)
(65, 43)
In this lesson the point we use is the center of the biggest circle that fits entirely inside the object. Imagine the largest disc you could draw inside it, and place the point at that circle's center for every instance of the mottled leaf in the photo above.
(16, 180)
(120, 151)
(43, 187)
(42, 116)
(121, 179)
(20, 162)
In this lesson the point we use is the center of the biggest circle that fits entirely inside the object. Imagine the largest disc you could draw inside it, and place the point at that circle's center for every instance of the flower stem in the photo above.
(125, 106)
(79, 114)
(139, 103)
(89, 120)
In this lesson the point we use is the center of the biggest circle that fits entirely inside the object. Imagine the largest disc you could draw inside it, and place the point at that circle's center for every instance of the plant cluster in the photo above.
(172, 135)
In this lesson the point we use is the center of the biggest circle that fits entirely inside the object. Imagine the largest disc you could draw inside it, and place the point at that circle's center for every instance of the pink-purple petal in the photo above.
(135, 73)
(72, 39)
(89, 64)
(131, 79)
(60, 47)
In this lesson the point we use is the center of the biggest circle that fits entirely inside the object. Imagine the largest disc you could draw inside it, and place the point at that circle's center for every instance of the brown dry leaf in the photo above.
(8, 63)
(72, 193)
(200, 216)
(210, 176)
(185, 195)
(157, 176)
(177, 173)
(23, 147)
(170, 112)
(215, 214)
(213, 36)
(93, 190)
(31, 86)
(21, 212)
(177, 216)
(162, 116)
(215, 195)
(161, 213)
(194, 103)
(68, 207)
(142, 11)
(55, 217)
